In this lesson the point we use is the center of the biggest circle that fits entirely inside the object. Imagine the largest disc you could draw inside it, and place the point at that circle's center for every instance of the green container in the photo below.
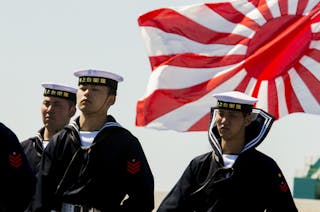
(306, 188)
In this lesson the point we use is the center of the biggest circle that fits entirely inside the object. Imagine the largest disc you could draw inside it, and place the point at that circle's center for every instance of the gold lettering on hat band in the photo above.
(98, 81)
(227, 105)
(234, 106)
(95, 80)
(52, 92)
(59, 93)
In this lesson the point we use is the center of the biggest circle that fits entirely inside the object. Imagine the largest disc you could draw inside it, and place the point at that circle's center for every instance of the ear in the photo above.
(72, 111)
(248, 119)
(111, 100)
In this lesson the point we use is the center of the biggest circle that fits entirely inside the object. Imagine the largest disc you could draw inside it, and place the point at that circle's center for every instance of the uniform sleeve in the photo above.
(178, 198)
(17, 180)
(140, 181)
(281, 196)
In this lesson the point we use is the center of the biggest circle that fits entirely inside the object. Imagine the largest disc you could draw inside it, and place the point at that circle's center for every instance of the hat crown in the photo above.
(235, 97)
(98, 73)
(58, 86)
(60, 91)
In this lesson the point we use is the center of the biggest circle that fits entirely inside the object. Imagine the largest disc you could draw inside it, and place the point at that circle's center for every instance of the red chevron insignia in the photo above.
(15, 160)
(282, 184)
(133, 166)
(284, 187)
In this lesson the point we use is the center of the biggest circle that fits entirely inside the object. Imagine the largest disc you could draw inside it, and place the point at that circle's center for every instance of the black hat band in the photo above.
(98, 81)
(60, 94)
(234, 106)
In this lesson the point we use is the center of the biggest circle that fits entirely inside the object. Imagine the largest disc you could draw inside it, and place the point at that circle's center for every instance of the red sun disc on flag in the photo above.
(267, 49)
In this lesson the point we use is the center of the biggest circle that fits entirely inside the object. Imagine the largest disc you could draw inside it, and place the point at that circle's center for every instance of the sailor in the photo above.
(234, 176)
(94, 163)
(57, 108)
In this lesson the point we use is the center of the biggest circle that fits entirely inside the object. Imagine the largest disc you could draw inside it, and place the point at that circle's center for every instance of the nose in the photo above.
(86, 92)
(50, 108)
(224, 119)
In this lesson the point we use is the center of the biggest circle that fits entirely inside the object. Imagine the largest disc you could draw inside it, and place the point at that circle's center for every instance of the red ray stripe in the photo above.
(283, 4)
(256, 88)
(255, 91)
(310, 80)
(195, 61)
(202, 124)
(170, 21)
(262, 6)
(273, 104)
(293, 103)
(316, 36)
(316, 19)
(163, 101)
(243, 84)
(157, 61)
(314, 53)
(227, 11)
(301, 6)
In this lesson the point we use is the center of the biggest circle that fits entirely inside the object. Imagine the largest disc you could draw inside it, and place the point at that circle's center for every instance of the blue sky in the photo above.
(44, 41)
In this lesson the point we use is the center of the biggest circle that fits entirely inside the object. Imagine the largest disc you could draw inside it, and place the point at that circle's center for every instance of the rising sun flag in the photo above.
(269, 49)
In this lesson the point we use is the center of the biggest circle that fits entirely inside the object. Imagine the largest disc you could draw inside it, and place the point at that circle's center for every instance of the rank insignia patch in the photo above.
(283, 185)
(15, 160)
(133, 166)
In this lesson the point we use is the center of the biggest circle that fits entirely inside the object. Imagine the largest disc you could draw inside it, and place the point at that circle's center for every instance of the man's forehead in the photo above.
(93, 86)
(54, 99)
(226, 111)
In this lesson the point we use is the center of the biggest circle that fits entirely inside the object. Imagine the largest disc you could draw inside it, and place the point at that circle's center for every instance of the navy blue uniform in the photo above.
(253, 183)
(99, 176)
(33, 149)
(17, 181)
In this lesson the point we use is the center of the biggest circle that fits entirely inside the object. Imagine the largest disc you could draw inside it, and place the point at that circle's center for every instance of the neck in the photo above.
(47, 134)
(232, 146)
(91, 122)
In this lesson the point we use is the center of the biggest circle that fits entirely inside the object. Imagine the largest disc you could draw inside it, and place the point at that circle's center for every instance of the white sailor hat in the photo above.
(98, 77)
(59, 90)
(235, 100)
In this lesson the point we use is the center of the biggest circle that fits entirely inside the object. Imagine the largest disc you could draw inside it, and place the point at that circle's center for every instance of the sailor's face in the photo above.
(56, 112)
(230, 123)
(94, 99)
